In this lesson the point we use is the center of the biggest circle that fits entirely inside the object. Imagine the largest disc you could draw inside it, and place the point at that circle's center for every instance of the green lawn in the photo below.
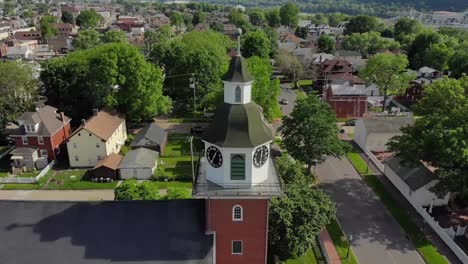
(169, 184)
(341, 243)
(430, 253)
(359, 164)
(307, 258)
(3, 174)
(189, 120)
(300, 94)
(302, 83)
(343, 119)
(71, 180)
(22, 186)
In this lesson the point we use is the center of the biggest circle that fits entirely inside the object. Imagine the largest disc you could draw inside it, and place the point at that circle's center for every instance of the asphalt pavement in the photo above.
(376, 235)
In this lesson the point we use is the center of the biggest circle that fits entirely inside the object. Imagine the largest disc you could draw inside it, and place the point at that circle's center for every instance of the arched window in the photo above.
(238, 93)
(237, 167)
(237, 213)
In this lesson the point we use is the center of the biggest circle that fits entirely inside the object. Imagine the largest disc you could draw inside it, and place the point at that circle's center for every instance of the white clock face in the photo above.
(214, 156)
(260, 156)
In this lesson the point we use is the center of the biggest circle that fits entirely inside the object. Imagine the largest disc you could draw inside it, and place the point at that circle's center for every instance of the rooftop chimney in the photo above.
(83, 122)
(95, 112)
(62, 116)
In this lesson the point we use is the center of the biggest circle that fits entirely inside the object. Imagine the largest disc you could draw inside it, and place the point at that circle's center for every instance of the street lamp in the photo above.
(350, 237)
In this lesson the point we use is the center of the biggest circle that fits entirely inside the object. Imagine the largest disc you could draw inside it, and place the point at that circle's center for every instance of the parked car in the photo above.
(284, 101)
(196, 130)
(350, 122)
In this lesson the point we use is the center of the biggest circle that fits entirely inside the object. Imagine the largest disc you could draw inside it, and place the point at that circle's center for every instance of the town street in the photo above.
(376, 235)
(57, 195)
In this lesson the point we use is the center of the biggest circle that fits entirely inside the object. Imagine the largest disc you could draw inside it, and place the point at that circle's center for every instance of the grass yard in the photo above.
(301, 83)
(300, 94)
(23, 186)
(307, 258)
(343, 119)
(188, 120)
(341, 243)
(430, 253)
(71, 180)
(169, 184)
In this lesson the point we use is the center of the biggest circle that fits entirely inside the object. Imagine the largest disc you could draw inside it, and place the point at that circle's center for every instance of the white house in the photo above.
(414, 182)
(139, 163)
(373, 133)
(19, 53)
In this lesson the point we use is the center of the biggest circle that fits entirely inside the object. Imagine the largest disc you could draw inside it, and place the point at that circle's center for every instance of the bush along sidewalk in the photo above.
(425, 247)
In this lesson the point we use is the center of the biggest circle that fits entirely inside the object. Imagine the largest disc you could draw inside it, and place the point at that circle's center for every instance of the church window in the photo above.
(237, 213)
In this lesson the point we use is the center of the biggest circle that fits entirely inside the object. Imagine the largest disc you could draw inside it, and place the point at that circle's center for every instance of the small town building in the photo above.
(151, 137)
(24, 159)
(139, 164)
(107, 167)
(347, 100)
(65, 29)
(45, 130)
(373, 133)
(15, 53)
(99, 136)
(424, 76)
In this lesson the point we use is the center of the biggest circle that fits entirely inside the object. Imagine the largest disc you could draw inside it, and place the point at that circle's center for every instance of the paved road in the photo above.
(290, 95)
(377, 237)
(63, 195)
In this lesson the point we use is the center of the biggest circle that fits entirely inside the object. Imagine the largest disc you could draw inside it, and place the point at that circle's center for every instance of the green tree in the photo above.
(131, 190)
(199, 18)
(265, 91)
(113, 75)
(299, 216)
(406, 27)
(67, 17)
(17, 87)
(175, 193)
(289, 14)
(114, 36)
(438, 56)
(439, 136)
(361, 24)
(389, 73)
(257, 18)
(326, 44)
(310, 134)
(256, 43)
(240, 20)
(458, 63)
(273, 17)
(290, 66)
(176, 19)
(368, 43)
(88, 19)
(86, 39)
(46, 25)
(42, 8)
(28, 13)
(301, 32)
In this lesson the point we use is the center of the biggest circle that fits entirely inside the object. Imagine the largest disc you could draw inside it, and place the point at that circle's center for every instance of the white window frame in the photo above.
(40, 140)
(74, 144)
(98, 145)
(42, 151)
(237, 219)
(77, 158)
(232, 247)
(24, 139)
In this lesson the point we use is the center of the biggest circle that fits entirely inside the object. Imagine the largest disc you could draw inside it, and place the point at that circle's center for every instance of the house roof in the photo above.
(17, 50)
(347, 89)
(47, 117)
(386, 124)
(23, 150)
(150, 135)
(63, 25)
(150, 232)
(139, 158)
(112, 161)
(328, 65)
(104, 123)
(238, 71)
(291, 37)
(238, 126)
(348, 53)
(414, 176)
(425, 70)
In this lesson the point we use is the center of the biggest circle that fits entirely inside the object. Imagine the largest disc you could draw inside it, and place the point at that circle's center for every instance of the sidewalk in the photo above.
(329, 247)
(59, 195)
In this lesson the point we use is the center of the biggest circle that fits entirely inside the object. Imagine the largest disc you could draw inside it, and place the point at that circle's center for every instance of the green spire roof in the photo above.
(238, 71)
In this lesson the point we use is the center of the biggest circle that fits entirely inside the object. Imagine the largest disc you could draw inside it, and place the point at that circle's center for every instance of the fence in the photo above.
(30, 179)
(443, 234)
(372, 158)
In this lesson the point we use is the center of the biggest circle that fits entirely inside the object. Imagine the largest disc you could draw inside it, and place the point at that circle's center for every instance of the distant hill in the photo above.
(382, 8)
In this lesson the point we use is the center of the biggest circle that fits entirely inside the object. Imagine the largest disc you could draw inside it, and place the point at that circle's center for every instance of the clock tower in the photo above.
(236, 175)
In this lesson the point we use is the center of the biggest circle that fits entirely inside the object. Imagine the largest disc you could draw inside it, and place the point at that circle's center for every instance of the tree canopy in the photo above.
(299, 216)
(114, 36)
(256, 43)
(289, 14)
(86, 39)
(113, 75)
(439, 136)
(67, 17)
(47, 29)
(198, 18)
(389, 73)
(290, 66)
(17, 87)
(310, 134)
(131, 190)
(88, 19)
(326, 44)
(362, 24)
(368, 43)
(273, 17)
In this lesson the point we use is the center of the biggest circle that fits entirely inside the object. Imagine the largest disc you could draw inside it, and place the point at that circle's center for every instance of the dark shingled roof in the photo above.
(150, 232)
(238, 71)
(150, 135)
(238, 126)
(414, 176)
(47, 117)
(139, 158)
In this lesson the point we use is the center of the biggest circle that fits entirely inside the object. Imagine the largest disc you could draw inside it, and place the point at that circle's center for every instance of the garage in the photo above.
(139, 164)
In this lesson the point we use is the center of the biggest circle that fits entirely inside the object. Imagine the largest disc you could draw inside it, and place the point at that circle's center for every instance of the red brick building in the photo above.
(236, 176)
(424, 75)
(348, 101)
(44, 129)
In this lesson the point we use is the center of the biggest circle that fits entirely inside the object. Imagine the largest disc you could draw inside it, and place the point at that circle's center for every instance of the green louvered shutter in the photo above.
(237, 167)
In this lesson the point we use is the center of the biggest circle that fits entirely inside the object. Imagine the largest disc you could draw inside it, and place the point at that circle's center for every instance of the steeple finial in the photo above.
(238, 41)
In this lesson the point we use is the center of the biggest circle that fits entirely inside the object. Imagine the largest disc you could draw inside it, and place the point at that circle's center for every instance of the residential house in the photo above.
(73, 9)
(373, 133)
(231, 31)
(99, 136)
(159, 20)
(335, 69)
(414, 182)
(15, 53)
(65, 29)
(107, 167)
(289, 42)
(354, 57)
(45, 130)
(139, 163)
(424, 75)
(347, 100)
(318, 58)
(4, 31)
(28, 35)
(24, 159)
(130, 25)
(304, 55)
(61, 44)
(151, 137)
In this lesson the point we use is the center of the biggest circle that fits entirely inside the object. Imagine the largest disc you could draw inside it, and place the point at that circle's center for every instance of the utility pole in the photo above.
(191, 155)
(192, 86)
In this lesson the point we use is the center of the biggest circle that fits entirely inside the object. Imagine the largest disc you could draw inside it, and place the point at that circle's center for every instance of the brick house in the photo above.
(44, 129)
(331, 69)
(65, 29)
(347, 100)
(424, 76)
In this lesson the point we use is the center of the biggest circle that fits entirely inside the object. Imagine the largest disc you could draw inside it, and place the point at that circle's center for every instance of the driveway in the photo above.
(376, 235)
